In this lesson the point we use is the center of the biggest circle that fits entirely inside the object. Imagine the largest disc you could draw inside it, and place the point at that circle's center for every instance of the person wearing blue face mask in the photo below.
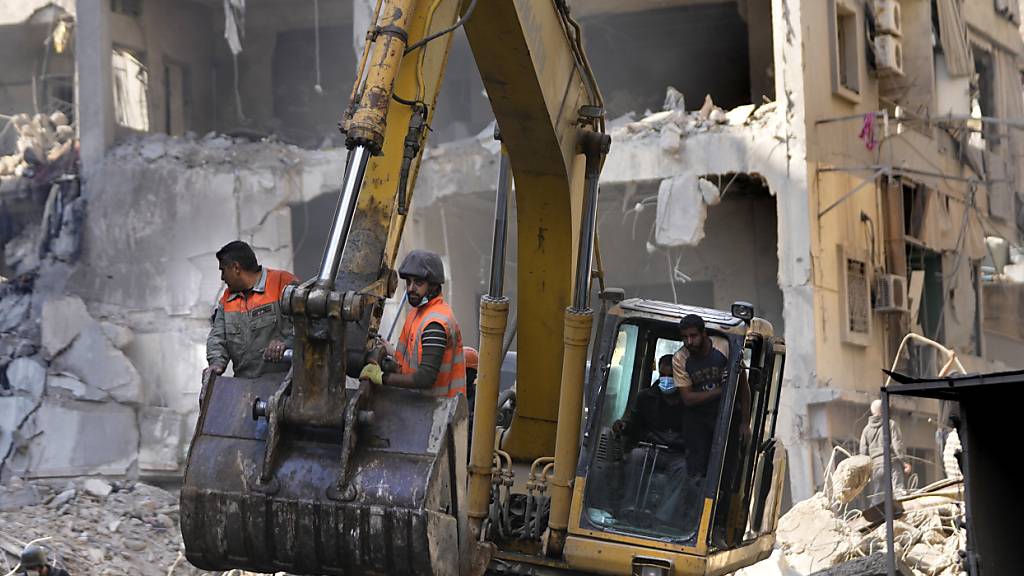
(657, 413)
(653, 429)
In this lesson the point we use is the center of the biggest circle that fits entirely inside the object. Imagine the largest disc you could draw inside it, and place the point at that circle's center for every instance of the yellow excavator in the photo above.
(319, 473)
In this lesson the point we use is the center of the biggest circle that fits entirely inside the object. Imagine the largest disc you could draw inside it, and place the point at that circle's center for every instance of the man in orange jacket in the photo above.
(249, 330)
(429, 353)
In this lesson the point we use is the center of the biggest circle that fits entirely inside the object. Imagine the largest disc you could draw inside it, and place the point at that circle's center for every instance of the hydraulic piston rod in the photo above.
(355, 169)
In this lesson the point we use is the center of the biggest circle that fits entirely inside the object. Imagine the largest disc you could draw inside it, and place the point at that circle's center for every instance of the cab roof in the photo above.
(669, 312)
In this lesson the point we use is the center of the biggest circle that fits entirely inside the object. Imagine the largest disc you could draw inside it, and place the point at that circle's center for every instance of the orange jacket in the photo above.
(451, 377)
(244, 324)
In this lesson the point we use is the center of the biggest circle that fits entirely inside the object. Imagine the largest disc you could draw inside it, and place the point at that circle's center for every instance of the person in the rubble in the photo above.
(429, 355)
(249, 331)
(701, 370)
(33, 562)
(653, 428)
(872, 443)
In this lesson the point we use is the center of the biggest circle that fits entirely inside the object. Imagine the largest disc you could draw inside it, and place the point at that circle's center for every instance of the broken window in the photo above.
(176, 91)
(983, 100)
(846, 49)
(131, 86)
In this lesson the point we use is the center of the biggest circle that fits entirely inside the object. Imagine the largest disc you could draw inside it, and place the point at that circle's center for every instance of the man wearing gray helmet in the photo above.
(429, 353)
(33, 562)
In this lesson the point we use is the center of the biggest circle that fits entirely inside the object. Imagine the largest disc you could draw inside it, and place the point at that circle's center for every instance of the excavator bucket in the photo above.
(390, 510)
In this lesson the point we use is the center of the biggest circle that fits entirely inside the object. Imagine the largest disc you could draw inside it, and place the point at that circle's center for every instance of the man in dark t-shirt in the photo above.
(700, 371)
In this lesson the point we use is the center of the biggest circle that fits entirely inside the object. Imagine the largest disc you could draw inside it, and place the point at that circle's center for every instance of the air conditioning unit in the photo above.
(891, 293)
(888, 55)
(888, 17)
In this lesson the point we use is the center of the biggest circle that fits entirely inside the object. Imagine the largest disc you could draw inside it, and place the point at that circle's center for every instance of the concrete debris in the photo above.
(63, 318)
(97, 488)
(129, 529)
(26, 377)
(42, 140)
(160, 431)
(212, 149)
(674, 99)
(18, 495)
(850, 478)
(94, 358)
(821, 536)
(120, 336)
(61, 384)
(682, 209)
(13, 310)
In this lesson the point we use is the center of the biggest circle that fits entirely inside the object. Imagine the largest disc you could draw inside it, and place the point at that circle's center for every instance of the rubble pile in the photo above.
(42, 140)
(94, 527)
(822, 536)
(190, 151)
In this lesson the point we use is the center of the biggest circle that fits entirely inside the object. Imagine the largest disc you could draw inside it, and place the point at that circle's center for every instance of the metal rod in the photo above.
(887, 481)
(497, 284)
(355, 169)
(585, 255)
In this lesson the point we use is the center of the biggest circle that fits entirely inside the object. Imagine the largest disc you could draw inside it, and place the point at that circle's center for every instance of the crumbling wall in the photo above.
(105, 352)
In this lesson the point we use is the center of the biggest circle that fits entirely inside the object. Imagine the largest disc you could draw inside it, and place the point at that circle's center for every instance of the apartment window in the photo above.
(855, 296)
(847, 48)
(131, 87)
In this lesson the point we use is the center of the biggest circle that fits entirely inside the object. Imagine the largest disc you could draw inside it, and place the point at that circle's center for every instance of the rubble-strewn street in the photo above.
(95, 527)
(822, 533)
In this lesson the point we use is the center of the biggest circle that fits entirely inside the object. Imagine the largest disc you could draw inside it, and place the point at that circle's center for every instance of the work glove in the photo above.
(373, 373)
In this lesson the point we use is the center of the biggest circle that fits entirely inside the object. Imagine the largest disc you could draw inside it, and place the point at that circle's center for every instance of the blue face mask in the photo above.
(666, 384)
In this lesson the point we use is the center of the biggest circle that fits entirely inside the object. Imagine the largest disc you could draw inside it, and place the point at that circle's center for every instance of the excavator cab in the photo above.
(647, 505)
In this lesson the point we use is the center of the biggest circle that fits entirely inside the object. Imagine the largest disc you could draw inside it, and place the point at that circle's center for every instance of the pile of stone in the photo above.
(42, 140)
(822, 536)
(94, 526)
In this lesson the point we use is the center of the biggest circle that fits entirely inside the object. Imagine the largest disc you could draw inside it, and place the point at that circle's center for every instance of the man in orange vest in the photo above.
(429, 353)
(248, 329)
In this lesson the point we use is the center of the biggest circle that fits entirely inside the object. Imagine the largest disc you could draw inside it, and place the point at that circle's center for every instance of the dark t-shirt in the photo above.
(652, 419)
(707, 373)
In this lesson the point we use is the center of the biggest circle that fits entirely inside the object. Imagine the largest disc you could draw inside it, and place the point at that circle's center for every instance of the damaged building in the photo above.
(847, 166)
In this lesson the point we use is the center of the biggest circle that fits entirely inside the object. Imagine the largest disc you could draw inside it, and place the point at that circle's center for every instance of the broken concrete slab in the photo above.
(99, 364)
(72, 438)
(62, 384)
(97, 487)
(160, 434)
(13, 412)
(62, 320)
(16, 498)
(27, 377)
(172, 362)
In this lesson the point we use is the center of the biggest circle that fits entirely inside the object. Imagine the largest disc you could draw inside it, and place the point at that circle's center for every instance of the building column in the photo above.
(797, 226)
(94, 96)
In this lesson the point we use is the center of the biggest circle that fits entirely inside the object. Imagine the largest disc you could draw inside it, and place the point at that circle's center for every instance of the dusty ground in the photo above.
(94, 527)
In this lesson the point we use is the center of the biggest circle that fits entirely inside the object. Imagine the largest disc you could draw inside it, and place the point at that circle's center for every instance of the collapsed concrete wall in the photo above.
(105, 354)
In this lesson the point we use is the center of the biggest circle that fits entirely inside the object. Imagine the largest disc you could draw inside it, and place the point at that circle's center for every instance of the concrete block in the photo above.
(62, 320)
(97, 487)
(99, 364)
(13, 499)
(27, 377)
(160, 433)
(81, 438)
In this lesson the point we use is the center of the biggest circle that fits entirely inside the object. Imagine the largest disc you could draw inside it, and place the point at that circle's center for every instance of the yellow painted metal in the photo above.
(377, 227)
(536, 88)
(575, 338)
(493, 321)
(386, 53)
(603, 557)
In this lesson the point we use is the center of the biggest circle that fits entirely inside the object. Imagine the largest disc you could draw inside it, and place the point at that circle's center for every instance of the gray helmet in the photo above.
(422, 264)
(33, 556)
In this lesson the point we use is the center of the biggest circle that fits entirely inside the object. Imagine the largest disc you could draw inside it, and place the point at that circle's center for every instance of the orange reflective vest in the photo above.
(451, 377)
